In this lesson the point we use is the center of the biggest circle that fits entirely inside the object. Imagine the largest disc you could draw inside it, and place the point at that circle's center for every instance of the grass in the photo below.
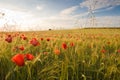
(94, 56)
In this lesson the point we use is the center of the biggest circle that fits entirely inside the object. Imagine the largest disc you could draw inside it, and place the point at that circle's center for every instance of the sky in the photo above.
(58, 14)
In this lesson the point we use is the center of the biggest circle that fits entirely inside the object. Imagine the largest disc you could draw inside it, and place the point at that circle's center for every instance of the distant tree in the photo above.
(50, 29)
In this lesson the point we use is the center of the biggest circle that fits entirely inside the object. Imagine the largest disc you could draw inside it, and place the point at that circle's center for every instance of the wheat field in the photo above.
(81, 54)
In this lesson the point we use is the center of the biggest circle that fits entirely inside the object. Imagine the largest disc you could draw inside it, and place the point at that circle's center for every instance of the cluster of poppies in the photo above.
(16, 48)
(64, 45)
(9, 38)
(19, 59)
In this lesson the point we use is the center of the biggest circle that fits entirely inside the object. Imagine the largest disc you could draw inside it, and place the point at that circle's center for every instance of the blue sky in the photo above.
(57, 14)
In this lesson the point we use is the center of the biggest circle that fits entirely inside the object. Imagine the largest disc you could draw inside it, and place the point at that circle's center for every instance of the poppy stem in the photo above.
(11, 71)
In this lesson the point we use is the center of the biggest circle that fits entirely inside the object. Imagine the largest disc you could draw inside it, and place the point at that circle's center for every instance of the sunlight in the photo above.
(15, 18)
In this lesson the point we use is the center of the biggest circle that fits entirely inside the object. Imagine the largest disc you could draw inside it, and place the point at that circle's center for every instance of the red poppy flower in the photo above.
(118, 50)
(18, 59)
(8, 39)
(29, 56)
(15, 48)
(41, 39)
(23, 37)
(34, 42)
(57, 51)
(72, 44)
(103, 51)
(64, 45)
(21, 48)
(108, 42)
(48, 39)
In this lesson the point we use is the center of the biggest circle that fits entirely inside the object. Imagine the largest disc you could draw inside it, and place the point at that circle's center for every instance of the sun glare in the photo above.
(15, 18)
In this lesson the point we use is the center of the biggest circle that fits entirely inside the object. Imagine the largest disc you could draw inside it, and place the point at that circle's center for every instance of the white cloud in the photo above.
(99, 4)
(64, 19)
(81, 15)
(38, 7)
(109, 21)
(69, 11)
(11, 7)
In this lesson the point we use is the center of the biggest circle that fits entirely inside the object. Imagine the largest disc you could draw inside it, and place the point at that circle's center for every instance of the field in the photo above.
(82, 54)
